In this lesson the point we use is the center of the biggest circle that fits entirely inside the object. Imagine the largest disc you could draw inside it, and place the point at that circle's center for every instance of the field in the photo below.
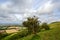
(52, 34)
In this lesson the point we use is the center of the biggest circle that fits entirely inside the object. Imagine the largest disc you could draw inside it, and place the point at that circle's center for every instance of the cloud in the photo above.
(47, 7)
(12, 10)
(17, 10)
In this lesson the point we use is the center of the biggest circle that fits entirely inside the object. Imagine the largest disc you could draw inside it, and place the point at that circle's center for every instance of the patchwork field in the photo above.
(52, 34)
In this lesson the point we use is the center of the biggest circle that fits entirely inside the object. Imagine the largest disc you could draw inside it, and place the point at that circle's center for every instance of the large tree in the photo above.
(32, 24)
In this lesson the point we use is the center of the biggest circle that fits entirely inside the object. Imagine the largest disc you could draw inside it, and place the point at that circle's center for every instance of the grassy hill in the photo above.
(54, 24)
(52, 34)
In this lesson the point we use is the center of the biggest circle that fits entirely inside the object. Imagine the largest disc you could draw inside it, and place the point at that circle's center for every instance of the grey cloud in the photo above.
(12, 7)
(55, 1)
(57, 4)
(18, 7)
(22, 3)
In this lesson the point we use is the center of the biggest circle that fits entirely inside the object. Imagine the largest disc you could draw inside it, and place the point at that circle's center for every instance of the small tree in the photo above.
(45, 26)
(32, 24)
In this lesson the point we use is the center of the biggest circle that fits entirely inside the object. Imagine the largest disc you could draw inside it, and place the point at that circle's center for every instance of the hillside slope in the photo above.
(54, 24)
(52, 34)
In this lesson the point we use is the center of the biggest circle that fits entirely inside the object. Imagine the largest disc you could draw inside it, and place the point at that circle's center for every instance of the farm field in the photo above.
(52, 34)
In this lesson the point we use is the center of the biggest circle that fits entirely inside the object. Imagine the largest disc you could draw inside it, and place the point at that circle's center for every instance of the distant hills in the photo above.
(55, 23)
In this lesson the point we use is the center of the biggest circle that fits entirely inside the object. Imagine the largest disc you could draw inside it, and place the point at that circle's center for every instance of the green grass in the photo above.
(17, 35)
(52, 34)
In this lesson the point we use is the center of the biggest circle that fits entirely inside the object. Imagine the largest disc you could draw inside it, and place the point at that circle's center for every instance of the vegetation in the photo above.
(33, 26)
(2, 35)
(53, 34)
(45, 26)
(17, 35)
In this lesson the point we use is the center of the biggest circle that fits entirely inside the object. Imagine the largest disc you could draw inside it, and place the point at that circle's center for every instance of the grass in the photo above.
(17, 35)
(52, 34)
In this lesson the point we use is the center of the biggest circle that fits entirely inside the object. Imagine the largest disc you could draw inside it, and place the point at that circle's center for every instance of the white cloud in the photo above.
(6, 5)
(21, 9)
(47, 7)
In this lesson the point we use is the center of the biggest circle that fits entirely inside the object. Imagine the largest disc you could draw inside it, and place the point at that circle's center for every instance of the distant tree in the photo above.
(45, 26)
(32, 24)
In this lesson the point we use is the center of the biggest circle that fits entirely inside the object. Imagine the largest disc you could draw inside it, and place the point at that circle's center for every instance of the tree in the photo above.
(45, 26)
(32, 24)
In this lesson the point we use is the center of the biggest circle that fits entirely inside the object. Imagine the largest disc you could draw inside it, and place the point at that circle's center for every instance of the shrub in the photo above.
(15, 36)
(45, 26)
(3, 35)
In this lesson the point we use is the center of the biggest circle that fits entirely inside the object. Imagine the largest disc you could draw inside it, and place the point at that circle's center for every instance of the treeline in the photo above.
(4, 27)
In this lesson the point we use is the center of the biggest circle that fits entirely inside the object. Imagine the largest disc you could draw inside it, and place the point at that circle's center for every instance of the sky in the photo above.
(16, 11)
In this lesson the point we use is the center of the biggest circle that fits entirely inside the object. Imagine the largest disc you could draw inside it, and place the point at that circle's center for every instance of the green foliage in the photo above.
(3, 35)
(45, 26)
(3, 28)
(35, 37)
(33, 24)
(15, 36)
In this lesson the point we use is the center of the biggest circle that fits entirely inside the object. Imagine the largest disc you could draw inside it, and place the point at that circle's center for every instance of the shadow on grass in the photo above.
(35, 37)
